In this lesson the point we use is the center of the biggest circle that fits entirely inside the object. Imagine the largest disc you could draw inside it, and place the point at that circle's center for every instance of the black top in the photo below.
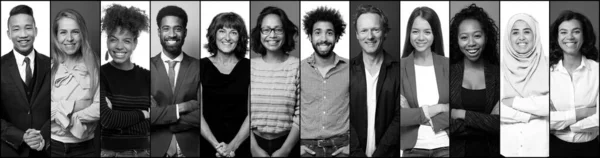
(473, 99)
(225, 103)
(124, 126)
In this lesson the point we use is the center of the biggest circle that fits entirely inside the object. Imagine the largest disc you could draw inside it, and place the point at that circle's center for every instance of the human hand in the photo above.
(437, 108)
(221, 150)
(344, 150)
(280, 153)
(108, 103)
(146, 114)
(304, 149)
(33, 138)
(508, 101)
(230, 149)
(187, 107)
(458, 113)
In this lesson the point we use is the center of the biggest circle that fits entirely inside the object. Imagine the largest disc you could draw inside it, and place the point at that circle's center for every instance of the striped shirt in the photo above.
(275, 92)
(123, 125)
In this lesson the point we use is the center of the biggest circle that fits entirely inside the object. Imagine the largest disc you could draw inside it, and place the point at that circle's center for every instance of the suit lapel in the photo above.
(16, 77)
(440, 77)
(489, 87)
(162, 76)
(42, 67)
(181, 75)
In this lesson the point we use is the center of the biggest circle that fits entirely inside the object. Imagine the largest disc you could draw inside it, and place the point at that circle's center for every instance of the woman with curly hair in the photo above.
(574, 86)
(75, 99)
(474, 84)
(124, 86)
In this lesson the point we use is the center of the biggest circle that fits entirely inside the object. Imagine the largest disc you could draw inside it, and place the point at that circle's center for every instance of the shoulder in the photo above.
(592, 64)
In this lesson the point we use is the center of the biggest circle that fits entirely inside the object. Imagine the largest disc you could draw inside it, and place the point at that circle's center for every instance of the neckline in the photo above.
(472, 89)
(232, 70)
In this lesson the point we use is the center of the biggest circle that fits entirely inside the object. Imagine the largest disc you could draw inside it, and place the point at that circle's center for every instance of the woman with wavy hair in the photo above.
(574, 86)
(474, 84)
(75, 87)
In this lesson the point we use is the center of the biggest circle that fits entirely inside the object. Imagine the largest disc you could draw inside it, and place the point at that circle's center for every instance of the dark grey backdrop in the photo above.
(589, 9)
(291, 8)
(392, 11)
(90, 12)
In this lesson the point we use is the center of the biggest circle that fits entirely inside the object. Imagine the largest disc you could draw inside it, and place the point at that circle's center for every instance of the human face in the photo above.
(172, 34)
(323, 38)
(570, 36)
(121, 44)
(471, 39)
(421, 35)
(274, 39)
(521, 37)
(227, 39)
(369, 32)
(22, 32)
(68, 35)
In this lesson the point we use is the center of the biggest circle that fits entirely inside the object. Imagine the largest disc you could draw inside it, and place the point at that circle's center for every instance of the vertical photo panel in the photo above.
(573, 78)
(25, 74)
(175, 79)
(474, 79)
(524, 96)
(125, 79)
(225, 79)
(75, 47)
(424, 74)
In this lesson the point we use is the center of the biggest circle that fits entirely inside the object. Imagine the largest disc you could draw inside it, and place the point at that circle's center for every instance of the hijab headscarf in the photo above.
(526, 73)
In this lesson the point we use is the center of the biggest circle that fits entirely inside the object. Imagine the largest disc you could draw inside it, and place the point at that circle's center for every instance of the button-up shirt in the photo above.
(568, 94)
(325, 99)
(21, 63)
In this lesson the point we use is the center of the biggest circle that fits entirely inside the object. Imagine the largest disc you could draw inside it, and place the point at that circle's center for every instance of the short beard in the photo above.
(328, 54)
(175, 50)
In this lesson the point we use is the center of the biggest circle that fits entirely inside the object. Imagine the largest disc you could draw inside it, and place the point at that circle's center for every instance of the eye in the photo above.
(463, 38)
(330, 33)
(478, 36)
(427, 32)
(376, 30)
(317, 32)
(127, 41)
(527, 32)
(221, 31)
(562, 32)
(514, 33)
(414, 32)
(577, 31)
(234, 32)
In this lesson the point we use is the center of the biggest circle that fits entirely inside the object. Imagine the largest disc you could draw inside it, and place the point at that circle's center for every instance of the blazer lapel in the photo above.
(489, 87)
(181, 75)
(41, 66)
(162, 76)
(16, 77)
(440, 77)
(410, 71)
(457, 79)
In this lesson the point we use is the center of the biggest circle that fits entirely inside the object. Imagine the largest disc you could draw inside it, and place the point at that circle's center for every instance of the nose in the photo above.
(521, 37)
(570, 36)
(120, 46)
(421, 37)
(471, 42)
(227, 37)
(370, 35)
(271, 33)
(171, 33)
(22, 33)
(69, 37)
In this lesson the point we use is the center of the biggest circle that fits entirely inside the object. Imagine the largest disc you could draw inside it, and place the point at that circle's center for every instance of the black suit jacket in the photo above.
(19, 113)
(163, 117)
(387, 114)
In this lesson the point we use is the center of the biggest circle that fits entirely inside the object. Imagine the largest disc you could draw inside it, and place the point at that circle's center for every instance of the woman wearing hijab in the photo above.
(524, 100)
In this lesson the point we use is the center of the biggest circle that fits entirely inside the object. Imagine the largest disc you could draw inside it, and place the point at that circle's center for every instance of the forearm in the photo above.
(510, 115)
(490, 123)
(242, 134)
(536, 105)
(206, 132)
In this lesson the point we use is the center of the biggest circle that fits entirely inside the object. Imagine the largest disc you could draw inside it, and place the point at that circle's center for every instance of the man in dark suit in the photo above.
(374, 89)
(175, 119)
(25, 92)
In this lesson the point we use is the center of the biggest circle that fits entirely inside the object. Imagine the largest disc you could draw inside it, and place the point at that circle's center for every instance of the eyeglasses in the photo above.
(266, 31)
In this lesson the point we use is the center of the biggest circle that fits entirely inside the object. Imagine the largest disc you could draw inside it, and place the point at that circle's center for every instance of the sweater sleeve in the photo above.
(110, 118)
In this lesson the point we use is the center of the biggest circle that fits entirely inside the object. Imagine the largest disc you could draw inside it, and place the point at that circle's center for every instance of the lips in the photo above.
(23, 42)
(570, 44)
(473, 51)
(119, 55)
(273, 42)
(522, 44)
(371, 43)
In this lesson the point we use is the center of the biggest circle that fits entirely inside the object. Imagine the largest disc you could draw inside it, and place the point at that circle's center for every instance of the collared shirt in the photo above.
(179, 58)
(371, 110)
(325, 100)
(568, 94)
(21, 63)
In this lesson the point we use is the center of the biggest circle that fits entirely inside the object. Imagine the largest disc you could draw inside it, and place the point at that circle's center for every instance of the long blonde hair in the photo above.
(90, 58)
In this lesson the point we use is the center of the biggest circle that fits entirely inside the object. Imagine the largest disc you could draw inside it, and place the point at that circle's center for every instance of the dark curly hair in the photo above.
(490, 54)
(132, 19)
(324, 14)
(172, 11)
(227, 20)
(588, 49)
(362, 9)
(290, 29)
(430, 16)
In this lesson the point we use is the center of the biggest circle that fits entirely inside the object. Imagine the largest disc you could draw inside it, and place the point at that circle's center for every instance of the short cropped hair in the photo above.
(172, 11)
(227, 20)
(22, 9)
(132, 19)
(290, 31)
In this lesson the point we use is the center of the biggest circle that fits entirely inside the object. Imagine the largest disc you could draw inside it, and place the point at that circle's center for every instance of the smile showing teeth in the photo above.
(472, 50)
(570, 44)
(171, 42)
